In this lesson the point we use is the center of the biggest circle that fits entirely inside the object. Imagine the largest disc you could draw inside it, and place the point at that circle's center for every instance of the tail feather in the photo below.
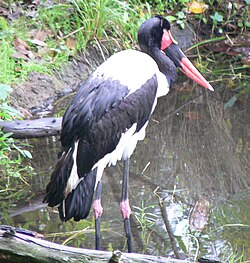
(59, 178)
(72, 186)
(78, 202)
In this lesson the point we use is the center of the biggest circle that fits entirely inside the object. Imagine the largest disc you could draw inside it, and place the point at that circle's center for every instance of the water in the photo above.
(195, 154)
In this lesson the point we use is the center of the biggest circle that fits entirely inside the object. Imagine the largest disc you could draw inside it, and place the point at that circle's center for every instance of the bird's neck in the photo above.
(165, 64)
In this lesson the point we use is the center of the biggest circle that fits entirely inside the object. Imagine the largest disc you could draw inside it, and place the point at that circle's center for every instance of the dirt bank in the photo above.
(41, 88)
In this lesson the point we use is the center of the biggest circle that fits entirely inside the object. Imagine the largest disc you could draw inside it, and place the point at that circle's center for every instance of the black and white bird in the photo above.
(108, 116)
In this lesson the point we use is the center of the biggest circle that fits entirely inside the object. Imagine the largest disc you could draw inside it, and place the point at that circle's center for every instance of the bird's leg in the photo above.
(97, 207)
(125, 207)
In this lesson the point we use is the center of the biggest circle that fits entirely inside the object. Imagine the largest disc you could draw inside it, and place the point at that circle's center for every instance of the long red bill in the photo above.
(170, 47)
(189, 69)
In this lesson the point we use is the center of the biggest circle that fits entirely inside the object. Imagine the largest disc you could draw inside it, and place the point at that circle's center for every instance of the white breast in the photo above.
(132, 68)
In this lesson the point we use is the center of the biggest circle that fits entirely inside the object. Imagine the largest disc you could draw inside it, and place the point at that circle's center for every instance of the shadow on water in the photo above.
(196, 154)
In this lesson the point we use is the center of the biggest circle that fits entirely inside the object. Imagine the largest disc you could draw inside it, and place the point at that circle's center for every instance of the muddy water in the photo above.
(194, 159)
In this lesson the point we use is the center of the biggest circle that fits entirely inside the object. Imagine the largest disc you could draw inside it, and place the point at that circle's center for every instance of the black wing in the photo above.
(95, 98)
(100, 112)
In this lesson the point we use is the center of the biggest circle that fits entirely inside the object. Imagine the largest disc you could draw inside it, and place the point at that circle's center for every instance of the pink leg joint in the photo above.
(97, 207)
(125, 209)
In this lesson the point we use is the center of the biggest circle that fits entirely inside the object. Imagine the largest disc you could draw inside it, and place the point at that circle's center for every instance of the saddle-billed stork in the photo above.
(108, 116)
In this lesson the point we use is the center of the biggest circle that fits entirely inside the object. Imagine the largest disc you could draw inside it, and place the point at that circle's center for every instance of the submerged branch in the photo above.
(163, 208)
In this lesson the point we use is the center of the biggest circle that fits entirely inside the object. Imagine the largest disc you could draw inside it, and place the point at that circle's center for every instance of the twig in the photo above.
(206, 42)
(163, 208)
(72, 33)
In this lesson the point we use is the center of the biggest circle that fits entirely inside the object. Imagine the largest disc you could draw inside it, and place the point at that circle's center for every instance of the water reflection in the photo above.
(193, 149)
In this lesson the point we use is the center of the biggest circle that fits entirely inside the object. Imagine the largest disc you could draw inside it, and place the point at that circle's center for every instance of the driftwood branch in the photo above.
(32, 128)
(17, 245)
(163, 207)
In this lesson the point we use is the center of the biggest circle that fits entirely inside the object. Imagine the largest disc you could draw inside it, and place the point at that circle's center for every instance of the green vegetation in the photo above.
(146, 221)
(11, 156)
(49, 37)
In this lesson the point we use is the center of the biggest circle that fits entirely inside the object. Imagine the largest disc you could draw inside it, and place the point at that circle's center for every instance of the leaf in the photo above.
(20, 55)
(230, 102)
(16, 174)
(41, 35)
(181, 244)
(38, 42)
(6, 135)
(181, 15)
(5, 90)
(171, 18)
(197, 7)
(19, 44)
(11, 111)
(217, 17)
(27, 154)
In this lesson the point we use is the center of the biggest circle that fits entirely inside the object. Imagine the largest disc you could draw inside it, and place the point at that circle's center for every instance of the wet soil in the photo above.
(40, 89)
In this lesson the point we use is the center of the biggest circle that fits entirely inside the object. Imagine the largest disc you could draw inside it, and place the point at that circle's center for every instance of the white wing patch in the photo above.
(73, 178)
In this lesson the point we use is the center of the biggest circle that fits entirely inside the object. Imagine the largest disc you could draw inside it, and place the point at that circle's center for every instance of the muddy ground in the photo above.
(41, 88)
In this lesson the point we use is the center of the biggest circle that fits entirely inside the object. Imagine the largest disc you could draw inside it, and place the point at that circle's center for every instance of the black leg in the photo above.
(97, 207)
(125, 208)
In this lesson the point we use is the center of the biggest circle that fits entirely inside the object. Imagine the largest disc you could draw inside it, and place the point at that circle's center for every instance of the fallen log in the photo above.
(19, 245)
(43, 127)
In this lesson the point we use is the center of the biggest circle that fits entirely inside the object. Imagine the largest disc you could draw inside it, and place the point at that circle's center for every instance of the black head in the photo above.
(151, 32)
(150, 37)
(155, 39)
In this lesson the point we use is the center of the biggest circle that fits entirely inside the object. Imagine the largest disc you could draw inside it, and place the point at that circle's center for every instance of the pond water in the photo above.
(194, 160)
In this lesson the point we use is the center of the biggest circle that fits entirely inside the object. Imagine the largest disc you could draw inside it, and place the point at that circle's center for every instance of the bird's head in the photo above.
(154, 36)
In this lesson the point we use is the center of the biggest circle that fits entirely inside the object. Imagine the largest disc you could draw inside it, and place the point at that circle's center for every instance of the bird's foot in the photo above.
(126, 212)
(97, 207)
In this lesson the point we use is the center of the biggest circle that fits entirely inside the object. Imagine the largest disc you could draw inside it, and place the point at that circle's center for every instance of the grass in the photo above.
(14, 70)
(147, 220)
(6, 51)
(13, 185)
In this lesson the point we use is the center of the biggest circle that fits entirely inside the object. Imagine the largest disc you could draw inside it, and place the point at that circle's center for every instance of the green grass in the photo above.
(14, 70)
(146, 220)
(13, 184)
